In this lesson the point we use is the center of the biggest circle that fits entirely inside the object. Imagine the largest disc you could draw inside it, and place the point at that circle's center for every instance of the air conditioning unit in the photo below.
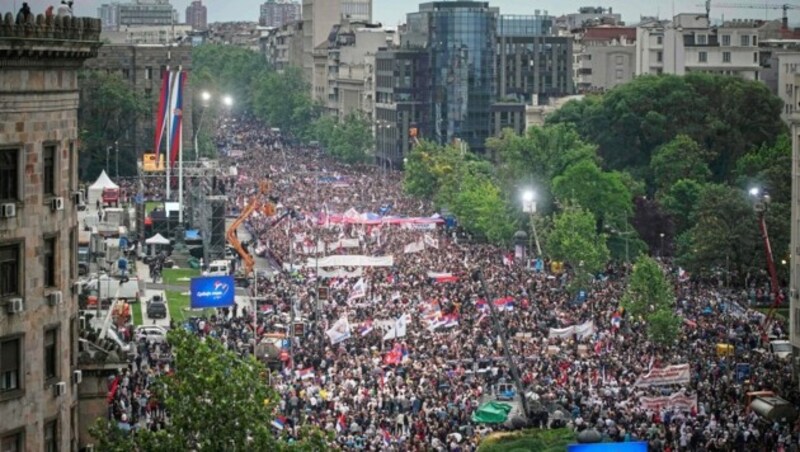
(80, 198)
(57, 204)
(60, 388)
(77, 377)
(55, 298)
(77, 287)
(8, 210)
(14, 306)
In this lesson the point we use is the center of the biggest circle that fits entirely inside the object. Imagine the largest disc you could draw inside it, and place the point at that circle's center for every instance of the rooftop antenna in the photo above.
(708, 10)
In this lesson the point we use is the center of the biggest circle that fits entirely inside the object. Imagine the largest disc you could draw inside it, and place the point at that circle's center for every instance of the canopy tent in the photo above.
(95, 191)
(491, 413)
(157, 239)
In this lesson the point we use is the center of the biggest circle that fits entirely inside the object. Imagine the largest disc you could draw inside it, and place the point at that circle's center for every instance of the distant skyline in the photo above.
(392, 12)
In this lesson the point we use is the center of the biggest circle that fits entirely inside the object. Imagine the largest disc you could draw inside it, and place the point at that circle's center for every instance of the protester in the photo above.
(420, 353)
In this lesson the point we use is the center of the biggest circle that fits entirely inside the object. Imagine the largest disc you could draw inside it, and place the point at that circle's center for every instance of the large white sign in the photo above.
(678, 400)
(671, 375)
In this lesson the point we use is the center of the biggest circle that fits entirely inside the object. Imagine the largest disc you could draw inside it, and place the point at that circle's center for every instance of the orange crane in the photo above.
(256, 203)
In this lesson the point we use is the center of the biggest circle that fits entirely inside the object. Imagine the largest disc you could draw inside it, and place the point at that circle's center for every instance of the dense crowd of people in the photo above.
(421, 353)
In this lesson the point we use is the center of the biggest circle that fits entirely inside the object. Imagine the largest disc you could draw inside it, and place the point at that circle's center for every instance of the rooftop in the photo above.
(50, 37)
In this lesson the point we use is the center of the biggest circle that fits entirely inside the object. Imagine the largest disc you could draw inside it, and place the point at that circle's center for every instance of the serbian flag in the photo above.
(365, 328)
(387, 437)
(395, 355)
(161, 113)
(616, 320)
(302, 374)
(279, 422)
(442, 277)
(341, 423)
(506, 303)
(113, 390)
(481, 305)
(508, 259)
(177, 81)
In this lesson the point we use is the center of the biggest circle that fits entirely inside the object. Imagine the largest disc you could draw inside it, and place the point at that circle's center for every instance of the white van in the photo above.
(111, 288)
(219, 268)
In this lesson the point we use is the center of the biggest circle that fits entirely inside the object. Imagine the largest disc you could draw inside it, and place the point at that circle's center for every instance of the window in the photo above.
(73, 253)
(660, 40)
(745, 40)
(9, 270)
(51, 353)
(148, 73)
(702, 39)
(660, 57)
(49, 261)
(10, 365)
(9, 172)
(726, 40)
(755, 57)
(755, 40)
(49, 170)
(73, 167)
(12, 443)
(51, 436)
(726, 57)
(702, 57)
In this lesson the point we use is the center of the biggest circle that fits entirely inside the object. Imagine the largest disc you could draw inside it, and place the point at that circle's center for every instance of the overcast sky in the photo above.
(392, 12)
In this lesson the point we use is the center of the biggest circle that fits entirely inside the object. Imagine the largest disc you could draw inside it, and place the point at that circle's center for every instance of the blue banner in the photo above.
(608, 447)
(212, 292)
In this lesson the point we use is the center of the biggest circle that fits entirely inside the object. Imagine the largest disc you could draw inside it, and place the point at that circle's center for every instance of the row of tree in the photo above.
(661, 164)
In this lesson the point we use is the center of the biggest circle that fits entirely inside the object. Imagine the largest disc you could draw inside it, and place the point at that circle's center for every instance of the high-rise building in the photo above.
(138, 12)
(277, 13)
(460, 41)
(197, 15)
(319, 17)
(39, 231)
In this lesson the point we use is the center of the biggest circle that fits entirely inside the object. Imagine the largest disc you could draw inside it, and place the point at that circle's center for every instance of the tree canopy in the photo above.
(575, 240)
(650, 296)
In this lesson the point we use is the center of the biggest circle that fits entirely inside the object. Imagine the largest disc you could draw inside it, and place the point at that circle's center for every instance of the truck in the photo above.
(110, 197)
(105, 289)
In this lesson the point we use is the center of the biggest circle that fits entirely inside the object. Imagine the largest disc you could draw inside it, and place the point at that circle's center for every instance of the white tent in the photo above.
(95, 191)
(157, 239)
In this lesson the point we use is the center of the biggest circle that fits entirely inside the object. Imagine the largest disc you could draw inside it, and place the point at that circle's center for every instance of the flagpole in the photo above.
(180, 151)
(169, 113)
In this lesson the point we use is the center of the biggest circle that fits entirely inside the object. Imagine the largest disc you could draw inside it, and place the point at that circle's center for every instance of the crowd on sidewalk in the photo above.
(398, 357)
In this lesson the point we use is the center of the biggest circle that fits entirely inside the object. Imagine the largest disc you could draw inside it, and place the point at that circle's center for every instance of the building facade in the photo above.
(144, 34)
(277, 13)
(319, 17)
(197, 15)
(402, 102)
(459, 38)
(607, 58)
(138, 12)
(39, 64)
(283, 47)
(588, 16)
(142, 66)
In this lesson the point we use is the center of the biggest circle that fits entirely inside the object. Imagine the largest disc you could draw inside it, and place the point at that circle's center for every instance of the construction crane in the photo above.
(784, 7)
(762, 202)
(256, 203)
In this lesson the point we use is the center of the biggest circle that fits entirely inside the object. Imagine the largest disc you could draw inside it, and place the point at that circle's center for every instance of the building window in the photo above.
(755, 40)
(148, 73)
(745, 40)
(9, 172)
(49, 170)
(49, 262)
(726, 57)
(660, 57)
(12, 443)
(73, 167)
(702, 57)
(755, 57)
(51, 353)
(726, 40)
(9, 270)
(51, 436)
(10, 364)
(660, 40)
(702, 39)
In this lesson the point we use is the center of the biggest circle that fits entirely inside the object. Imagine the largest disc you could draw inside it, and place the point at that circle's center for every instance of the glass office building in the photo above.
(459, 37)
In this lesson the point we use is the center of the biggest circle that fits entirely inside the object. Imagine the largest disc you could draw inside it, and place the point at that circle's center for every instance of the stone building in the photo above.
(142, 66)
(39, 64)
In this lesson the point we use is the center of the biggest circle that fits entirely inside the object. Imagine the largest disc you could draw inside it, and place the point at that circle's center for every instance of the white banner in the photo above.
(584, 330)
(431, 242)
(352, 261)
(561, 333)
(343, 243)
(414, 247)
(394, 328)
(678, 400)
(670, 375)
(341, 273)
(420, 226)
(340, 331)
(359, 290)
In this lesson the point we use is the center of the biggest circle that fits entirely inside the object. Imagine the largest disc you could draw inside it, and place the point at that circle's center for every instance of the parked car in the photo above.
(156, 308)
(151, 333)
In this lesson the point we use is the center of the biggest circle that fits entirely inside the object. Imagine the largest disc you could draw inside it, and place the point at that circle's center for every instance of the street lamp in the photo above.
(206, 97)
(228, 101)
(529, 207)
(661, 252)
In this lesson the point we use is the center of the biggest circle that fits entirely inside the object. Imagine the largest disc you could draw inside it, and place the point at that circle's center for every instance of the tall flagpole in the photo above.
(170, 112)
(180, 149)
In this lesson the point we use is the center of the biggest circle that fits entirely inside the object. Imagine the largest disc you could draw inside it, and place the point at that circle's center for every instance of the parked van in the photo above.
(108, 288)
(219, 268)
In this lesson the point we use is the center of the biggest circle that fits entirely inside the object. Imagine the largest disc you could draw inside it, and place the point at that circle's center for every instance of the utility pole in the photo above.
(116, 149)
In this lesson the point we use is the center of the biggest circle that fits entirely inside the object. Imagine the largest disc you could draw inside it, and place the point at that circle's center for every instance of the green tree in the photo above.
(603, 193)
(680, 158)
(680, 200)
(107, 112)
(427, 166)
(283, 100)
(480, 208)
(650, 296)
(537, 157)
(227, 70)
(215, 400)
(351, 140)
(574, 239)
(728, 116)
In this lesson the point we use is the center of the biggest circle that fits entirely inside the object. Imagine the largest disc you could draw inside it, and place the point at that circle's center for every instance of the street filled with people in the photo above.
(400, 349)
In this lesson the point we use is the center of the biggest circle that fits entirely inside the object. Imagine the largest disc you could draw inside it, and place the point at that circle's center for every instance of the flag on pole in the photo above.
(442, 277)
(398, 328)
(178, 79)
(161, 113)
(359, 290)
(365, 328)
(430, 241)
(302, 374)
(340, 331)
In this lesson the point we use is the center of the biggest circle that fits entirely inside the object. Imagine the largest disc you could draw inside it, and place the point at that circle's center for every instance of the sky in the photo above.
(392, 12)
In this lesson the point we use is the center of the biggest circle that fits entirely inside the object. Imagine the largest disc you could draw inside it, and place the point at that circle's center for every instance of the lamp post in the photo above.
(661, 249)
(116, 150)
(108, 152)
(205, 96)
(529, 207)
